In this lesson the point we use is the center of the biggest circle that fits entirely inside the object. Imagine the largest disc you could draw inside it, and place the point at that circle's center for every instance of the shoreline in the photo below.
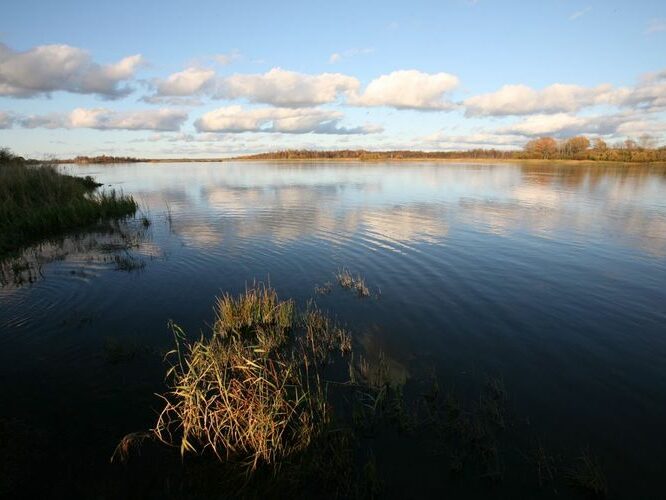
(464, 160)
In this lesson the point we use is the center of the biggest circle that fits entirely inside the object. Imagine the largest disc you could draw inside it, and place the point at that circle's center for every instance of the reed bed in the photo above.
(38, 202)
(252, 392)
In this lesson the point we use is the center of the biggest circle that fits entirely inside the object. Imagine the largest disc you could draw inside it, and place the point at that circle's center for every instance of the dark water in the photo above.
(550, 277)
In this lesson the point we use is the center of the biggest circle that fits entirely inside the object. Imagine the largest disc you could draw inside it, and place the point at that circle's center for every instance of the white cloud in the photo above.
(49, 68)
(408, 89)
(524, 100)
(579, 13)
(106, 119)
(236, 119)
(286, 88)
(564, 124)
(655, 26)
(188, 82)
(649, 94)
(486, 140)
(637, 127)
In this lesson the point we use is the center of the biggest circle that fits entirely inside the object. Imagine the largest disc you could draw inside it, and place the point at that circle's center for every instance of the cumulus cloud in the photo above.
(49, 68)
(106, 119)
(638, 127)
(188, 82)
(524, 100)
(286, 88)
(648, 94)
(236, 119)
(408, 89)
(564, 124)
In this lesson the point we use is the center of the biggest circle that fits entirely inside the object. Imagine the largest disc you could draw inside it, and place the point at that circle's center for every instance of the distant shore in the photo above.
(376, 160)
(639, 156)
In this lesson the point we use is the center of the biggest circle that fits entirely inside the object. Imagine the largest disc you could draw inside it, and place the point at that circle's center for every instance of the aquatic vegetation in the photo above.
(263, 396)
(468, 434)
(588, 475)
(324, 289)
(128, 263)
(252, 392)
(347, 280)
(544, 464)
(38, 202)
(169, 216)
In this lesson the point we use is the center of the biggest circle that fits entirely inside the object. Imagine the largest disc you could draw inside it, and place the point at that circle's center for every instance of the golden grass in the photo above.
(252, 392)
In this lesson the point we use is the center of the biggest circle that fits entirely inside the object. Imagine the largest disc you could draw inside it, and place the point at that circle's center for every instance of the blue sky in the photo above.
(167, 78)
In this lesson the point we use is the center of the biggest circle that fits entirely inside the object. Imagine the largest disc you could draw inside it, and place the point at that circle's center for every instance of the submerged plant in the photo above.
(347, 280)
(588, 475)
(324, 289)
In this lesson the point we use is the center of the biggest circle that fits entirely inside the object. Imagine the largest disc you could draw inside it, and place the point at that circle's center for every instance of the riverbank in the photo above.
(38, 203)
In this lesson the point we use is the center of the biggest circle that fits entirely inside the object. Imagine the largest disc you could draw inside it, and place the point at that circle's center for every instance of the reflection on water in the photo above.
(550, 276)
(401, 204)
(121, 243)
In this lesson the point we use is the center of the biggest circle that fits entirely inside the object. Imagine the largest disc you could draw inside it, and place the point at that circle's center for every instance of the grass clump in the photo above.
(347, 280)
(253, 392)
(37, 202)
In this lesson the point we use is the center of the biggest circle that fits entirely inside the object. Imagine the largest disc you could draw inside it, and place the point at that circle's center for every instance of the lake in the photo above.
(550, 277)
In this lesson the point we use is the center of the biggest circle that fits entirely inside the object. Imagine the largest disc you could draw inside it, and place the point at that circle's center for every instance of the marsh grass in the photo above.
(38, 202)
(253, 392)
(588, 476)
(350, 282)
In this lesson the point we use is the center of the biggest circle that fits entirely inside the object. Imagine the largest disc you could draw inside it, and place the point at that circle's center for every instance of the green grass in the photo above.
(38, 202)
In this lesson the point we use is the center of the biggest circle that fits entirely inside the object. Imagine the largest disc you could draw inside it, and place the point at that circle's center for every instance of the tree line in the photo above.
(543, 148)
(581, 148)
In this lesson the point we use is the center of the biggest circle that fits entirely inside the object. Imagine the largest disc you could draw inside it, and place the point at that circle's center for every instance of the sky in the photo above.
(220, 78)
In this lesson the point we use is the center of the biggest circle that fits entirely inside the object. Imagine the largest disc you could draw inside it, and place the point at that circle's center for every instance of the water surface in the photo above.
(550, 277)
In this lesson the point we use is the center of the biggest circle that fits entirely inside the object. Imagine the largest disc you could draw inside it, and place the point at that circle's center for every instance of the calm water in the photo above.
(553, 278)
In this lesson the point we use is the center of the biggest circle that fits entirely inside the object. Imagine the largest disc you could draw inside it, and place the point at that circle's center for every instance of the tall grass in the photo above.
(252, 392)
(38, 202)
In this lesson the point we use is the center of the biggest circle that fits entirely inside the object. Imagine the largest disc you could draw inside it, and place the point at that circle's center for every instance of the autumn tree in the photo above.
(600, 144)
(544, 147)
(577, 144)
